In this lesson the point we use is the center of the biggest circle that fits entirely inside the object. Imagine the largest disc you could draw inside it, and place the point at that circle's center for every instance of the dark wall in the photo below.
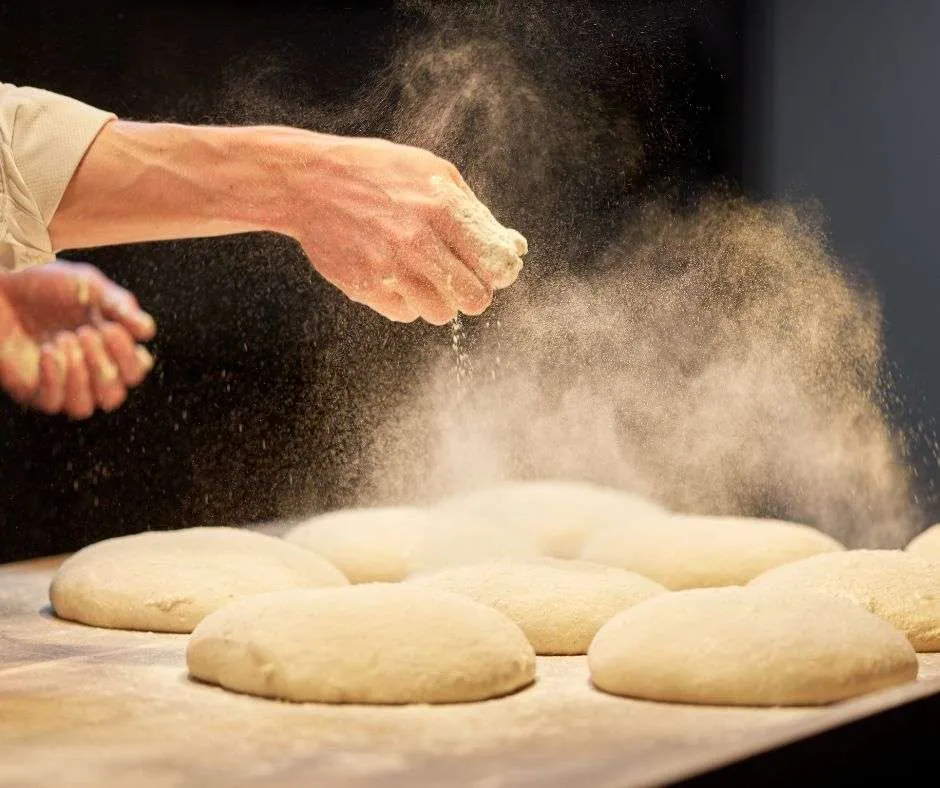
(844, 109)
(268, 380)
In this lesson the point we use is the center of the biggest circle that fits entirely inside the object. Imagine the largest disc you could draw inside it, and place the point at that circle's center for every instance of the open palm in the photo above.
(68, 339)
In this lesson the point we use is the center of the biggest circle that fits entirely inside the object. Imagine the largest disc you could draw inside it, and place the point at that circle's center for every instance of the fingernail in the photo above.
(144, 357)
(148, 323)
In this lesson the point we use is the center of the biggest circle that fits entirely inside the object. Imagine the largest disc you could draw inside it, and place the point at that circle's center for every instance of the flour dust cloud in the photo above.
(712, 354)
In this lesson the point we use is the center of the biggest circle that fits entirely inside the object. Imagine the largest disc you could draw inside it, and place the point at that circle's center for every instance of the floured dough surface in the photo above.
(744, 647)
(168, 581)
(696, 552)
(464, 538)
(376, 643)
(387, 544)
(900, 587)
(926, 543)
(559, 608)
(559, 515)
(368, 544)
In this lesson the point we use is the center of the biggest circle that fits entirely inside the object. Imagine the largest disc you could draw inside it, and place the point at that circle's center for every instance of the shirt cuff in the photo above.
(44, 137)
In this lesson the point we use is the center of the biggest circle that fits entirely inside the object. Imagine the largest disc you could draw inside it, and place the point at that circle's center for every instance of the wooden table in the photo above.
(83, 706)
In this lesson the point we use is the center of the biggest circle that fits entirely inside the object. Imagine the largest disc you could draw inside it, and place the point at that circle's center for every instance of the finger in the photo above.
(391, 306)
(456, 284)
(50, 395)
(79, 399)
(493, 252)
(423, 297)
(114, 303)
(119, 306)
(133, 361)
(106, 383)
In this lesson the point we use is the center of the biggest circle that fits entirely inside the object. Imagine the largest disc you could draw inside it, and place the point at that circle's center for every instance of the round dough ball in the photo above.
(386, 544)
(902, 588)
(696, 552)
(369, 544)
(926, 543)
(742, 647)
(376, 643)
(168, 581)
(559, 609)
(464, 538)
(559, 515)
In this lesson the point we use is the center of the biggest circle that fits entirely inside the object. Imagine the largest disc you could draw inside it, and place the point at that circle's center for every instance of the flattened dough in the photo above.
(168, 581)
(926, 543)
(559, 608)
(900, 587)
(376, 643)
(387, 544)
(559, 515)
(743, 647)
(697, 552)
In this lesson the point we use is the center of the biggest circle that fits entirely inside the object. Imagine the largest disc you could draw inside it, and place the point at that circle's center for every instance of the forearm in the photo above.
(158, 181)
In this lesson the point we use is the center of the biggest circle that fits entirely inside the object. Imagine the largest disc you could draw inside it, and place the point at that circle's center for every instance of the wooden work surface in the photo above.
(83, 706)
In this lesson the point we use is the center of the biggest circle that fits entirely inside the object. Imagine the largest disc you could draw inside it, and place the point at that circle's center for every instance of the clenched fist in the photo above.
(397, 228)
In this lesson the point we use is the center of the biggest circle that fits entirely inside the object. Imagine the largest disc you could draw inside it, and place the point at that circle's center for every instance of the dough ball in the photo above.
(559, 515)
(696, 552)
(368, 545)
(376, 643)
(743, 647)
(575, 565)
(464, 538)
(926, 543)
(387, 544)
(902, 588)
(168, 581)
(560, 609)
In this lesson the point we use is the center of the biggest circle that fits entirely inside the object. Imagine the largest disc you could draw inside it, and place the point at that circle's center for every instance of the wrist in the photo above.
(259, 192)
(284, 168)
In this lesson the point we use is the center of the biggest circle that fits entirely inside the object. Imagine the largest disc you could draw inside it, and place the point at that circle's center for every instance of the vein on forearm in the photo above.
(158, 181)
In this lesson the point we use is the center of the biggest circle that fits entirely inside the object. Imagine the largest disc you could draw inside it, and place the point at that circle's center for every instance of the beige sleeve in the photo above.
(43, 137)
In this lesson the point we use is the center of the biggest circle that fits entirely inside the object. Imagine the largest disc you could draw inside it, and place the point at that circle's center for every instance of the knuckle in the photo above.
(416, 236)
(450, 170)
(435, 208)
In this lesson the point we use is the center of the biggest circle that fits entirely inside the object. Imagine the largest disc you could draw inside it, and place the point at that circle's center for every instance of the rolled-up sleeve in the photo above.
(43, 138)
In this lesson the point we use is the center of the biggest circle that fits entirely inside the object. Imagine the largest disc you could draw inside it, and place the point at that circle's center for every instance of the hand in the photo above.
(68, 339)
(396, 228)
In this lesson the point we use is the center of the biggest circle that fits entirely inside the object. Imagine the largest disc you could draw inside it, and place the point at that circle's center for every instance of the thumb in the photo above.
(19, 356)
(19, 366)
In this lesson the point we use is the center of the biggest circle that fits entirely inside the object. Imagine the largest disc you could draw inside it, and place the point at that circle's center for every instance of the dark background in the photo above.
(239, 421)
